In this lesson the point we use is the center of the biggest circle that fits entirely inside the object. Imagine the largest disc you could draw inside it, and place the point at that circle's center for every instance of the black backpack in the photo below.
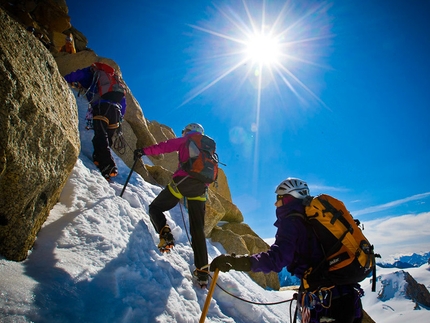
(203, 161)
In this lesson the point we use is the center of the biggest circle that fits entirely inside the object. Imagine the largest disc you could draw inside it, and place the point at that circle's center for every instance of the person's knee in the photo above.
(154, 210)
(151, 209)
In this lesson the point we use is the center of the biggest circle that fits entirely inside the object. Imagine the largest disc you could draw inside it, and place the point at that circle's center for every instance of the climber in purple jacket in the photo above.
(297, 249)
(182, 185)
(105, 113)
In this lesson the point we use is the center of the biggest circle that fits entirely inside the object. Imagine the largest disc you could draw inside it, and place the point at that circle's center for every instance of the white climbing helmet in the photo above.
(293, 186)
(194, 127)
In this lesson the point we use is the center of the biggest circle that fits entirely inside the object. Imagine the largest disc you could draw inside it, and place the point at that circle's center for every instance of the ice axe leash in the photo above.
(209, 296)
(128, 178)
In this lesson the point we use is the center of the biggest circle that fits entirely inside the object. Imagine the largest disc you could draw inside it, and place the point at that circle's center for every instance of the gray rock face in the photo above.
(39, 144)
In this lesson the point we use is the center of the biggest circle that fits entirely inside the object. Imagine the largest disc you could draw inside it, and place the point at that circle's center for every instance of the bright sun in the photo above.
(262, 49)
(271, 41)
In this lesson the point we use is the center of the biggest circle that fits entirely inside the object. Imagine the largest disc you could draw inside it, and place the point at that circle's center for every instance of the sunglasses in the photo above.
(287, 198)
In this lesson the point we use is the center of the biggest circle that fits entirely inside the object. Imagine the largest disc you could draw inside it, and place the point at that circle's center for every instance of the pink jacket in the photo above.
(171, 145)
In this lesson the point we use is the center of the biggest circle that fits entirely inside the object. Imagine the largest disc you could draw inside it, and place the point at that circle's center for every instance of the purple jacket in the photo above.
(295, 247)
(171, 145)
(85, 78)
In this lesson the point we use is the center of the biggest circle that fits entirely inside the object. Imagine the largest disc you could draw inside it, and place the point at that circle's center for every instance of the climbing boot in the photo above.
(167, 241)
(202, 277)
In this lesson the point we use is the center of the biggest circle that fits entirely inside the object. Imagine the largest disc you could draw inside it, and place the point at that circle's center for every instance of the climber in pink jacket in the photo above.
(182, 185)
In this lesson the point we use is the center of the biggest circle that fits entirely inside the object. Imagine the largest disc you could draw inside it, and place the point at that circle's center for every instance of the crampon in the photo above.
(167, 242)
(201, 276)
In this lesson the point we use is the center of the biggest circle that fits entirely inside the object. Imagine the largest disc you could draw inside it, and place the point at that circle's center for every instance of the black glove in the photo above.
(138, 153)
(227, 262)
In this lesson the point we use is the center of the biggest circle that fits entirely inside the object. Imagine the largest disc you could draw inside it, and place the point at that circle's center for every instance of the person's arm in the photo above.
(123, 105)
(164, 147)
(282, 252)
(83, 76)
(279, 255)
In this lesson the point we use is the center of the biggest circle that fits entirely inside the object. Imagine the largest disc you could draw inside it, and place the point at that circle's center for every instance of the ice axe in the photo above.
(209, 296)
(128, 178)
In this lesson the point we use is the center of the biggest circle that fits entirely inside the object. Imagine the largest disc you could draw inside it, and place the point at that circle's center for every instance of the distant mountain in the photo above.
(401, 295)
(397, 264)
(408, 261)
(416, 259)
(286, 279)
(401, 285)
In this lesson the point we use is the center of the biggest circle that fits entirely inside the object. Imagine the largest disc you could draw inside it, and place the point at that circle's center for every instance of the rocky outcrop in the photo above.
(50, 18)
(401, 283)
(416, 291)
(39, 144)
(367, 318)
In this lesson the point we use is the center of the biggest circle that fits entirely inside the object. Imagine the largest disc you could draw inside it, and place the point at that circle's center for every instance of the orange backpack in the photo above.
(349, 257)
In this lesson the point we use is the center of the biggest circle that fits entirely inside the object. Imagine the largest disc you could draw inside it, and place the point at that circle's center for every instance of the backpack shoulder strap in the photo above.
(307, 200)
(296, 214)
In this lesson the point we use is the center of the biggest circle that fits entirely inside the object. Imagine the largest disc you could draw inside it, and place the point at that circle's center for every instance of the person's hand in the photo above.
(227, 262)
(138, 153)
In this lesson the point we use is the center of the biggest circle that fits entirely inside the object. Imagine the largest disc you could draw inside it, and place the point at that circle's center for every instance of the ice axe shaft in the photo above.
(128, 178)
(209, 296)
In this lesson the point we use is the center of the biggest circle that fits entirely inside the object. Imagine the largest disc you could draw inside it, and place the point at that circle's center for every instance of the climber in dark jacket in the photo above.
(105, 114)
(297, 249)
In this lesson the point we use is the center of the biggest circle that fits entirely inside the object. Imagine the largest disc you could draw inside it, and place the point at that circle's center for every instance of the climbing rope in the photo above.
(119, 142)
(252, 302)
(223, 289)
(185, 225)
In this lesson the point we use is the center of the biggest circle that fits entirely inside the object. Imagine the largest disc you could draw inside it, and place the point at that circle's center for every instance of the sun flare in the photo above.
(268, 43)
(262, 49)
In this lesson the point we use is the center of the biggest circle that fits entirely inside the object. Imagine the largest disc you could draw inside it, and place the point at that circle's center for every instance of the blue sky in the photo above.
(345, 106)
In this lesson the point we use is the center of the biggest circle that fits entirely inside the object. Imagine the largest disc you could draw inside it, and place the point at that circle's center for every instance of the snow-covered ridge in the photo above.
(96, 260)
(399, 295)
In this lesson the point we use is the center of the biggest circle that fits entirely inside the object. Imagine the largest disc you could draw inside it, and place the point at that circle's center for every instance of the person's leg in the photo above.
(110, 134)
(163, 202)
(100, 143)
(102, 154)
(343, 309)
(196, 211)
(113, 114)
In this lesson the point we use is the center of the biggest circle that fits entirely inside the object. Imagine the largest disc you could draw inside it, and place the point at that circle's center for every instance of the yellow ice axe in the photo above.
(209, 296)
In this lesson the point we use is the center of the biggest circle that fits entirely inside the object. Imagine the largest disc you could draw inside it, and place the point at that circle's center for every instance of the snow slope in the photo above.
(95, 260)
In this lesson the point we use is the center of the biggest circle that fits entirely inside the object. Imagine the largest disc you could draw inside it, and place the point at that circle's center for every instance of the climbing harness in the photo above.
(320, 300)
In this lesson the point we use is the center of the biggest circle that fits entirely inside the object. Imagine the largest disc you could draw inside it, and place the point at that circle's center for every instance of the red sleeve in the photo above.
(164, 147)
